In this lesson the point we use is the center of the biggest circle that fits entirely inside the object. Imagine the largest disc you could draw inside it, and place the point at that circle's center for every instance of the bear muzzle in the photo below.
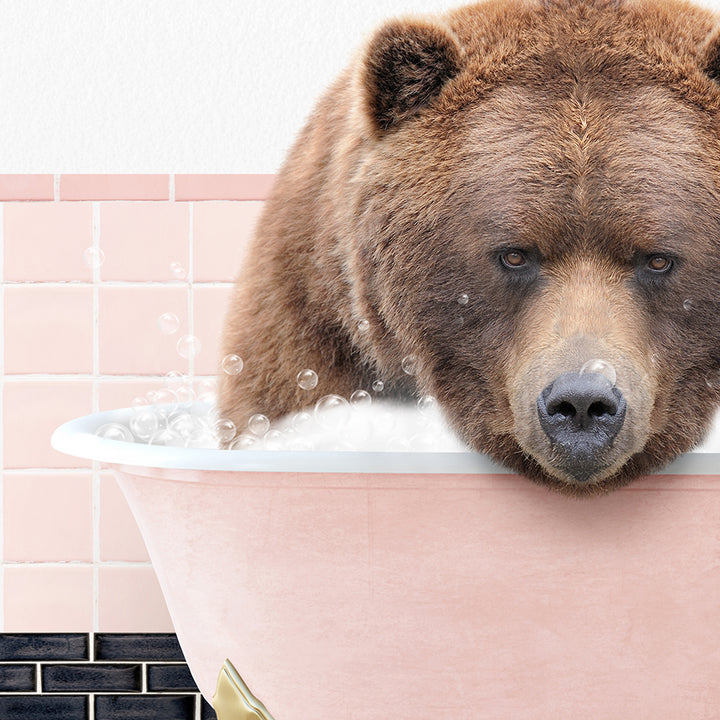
(581, 414)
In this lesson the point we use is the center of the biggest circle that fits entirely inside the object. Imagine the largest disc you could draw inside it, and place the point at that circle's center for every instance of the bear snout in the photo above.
(581, 414)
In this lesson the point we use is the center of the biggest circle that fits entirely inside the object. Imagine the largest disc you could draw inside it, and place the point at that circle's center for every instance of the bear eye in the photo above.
(513, 259)
(659, 264)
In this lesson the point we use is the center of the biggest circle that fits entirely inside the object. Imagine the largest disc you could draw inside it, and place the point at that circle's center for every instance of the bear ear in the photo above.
(406, 64)
(710, 55)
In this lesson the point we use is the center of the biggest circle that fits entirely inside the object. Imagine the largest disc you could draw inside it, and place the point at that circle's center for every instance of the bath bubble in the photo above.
(201, 438)
(463, 299)
(139, 401)
(182, 423)
(301, 421)
(93, 257)
(178, 270)
(363, 325)
(427, 404)
(115, 431)
(273, 440)
(232, 364)
(164, 395)
(224, 430)
(307, 379)
(188, 346)
(144, 423)
(244, 442)
(602, 367)
(258, 424)
(168, 323)
(410, 364)
(459, 321)
(688, 305)
(332, 411)
(360, 398)
(167, 438)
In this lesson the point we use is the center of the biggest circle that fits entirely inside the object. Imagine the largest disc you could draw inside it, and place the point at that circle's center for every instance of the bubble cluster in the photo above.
(307, 379)
(601, 367)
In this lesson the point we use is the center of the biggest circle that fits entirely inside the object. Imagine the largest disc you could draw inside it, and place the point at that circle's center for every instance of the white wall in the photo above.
(171, 85)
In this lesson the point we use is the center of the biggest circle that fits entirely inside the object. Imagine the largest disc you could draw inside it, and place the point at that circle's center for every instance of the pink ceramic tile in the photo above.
(48, 329)
(120, 537)
(48, 599)
(114, 187)
(141, 240)
(47, 241)
(131, 341)
(221, 233)
(32, 409)
(223, 187)
(210, 307)
(27, 187)
(48, 517)
(131, 601)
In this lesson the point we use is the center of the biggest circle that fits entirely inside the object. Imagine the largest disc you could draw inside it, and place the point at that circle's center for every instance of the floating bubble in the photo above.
(188, 346)
(244, 442)
(378, 386)
(273, 440)
(115, 431)
(168, 323)
(182, 423)
(307, 379)
(258, 424)
(601, 367)
(360, 398)
(459, 320)
(688, 305)
(363, 325)
(463, 299)
(224, 429)
(178, 270)
(427, 403)
(144, 423)
(167, 438)
(139, 401)
(93, 257)
(409, 364)
(232, 364)
(332, 411)
(164, 395)
(301, 421)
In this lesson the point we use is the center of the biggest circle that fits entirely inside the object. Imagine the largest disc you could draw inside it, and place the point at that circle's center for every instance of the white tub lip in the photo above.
(77, 438)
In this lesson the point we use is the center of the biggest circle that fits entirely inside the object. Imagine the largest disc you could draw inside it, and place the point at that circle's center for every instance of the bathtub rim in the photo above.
(77, 438)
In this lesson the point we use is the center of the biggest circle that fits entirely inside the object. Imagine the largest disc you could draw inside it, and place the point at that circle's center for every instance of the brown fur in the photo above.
(586, 133)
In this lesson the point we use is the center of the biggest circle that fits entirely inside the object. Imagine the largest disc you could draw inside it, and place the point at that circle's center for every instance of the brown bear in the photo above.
(504, 193)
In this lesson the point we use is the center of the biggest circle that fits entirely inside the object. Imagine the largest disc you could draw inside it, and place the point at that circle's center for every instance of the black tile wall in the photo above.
(108, 676)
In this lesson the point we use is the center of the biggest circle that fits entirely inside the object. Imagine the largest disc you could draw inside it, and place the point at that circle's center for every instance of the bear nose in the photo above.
(581, 414)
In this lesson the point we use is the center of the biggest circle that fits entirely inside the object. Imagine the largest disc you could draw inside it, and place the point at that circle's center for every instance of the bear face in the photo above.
(507, 210)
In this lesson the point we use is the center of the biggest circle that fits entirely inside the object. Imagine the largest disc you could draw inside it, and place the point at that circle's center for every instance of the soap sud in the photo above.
(382, 426)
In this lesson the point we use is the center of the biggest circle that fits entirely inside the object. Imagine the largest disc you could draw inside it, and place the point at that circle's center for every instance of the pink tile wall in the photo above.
(79, 337)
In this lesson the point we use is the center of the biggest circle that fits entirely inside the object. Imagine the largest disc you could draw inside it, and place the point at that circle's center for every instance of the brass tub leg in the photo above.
(233, 700)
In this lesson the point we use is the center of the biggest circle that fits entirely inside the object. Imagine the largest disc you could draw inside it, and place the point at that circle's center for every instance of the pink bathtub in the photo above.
(370, 586)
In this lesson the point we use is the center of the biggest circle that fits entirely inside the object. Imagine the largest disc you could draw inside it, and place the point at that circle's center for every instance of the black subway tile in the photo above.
(144, 707)
(136, 646)
(18, 678)
(206, 710)
(92, 678)
(44, 646)
(170, 677)
(39, 707)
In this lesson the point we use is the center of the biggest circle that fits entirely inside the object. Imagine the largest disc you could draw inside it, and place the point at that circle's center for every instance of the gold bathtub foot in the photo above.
(233, 700)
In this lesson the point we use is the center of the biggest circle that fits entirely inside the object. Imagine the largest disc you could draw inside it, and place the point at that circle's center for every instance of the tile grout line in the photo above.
(56, 187)
(171, 187)
(2, 414)
(96, 230)
(191, 292)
